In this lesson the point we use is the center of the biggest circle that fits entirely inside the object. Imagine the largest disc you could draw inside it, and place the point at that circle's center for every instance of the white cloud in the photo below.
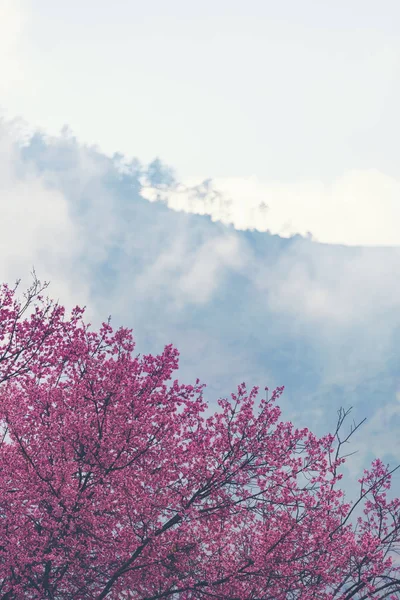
(334, 288)
(202, 277)
(193, 272)
(36, 229)
(360, 208)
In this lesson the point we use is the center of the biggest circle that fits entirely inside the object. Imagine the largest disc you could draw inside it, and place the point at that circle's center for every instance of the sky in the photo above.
(290, 108)
(222, 176)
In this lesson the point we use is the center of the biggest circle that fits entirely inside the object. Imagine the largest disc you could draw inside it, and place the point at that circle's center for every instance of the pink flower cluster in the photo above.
(113, 484)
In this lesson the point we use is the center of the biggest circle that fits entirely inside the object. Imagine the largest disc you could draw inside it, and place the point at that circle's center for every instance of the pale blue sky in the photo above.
(297, 95)
(282, 90)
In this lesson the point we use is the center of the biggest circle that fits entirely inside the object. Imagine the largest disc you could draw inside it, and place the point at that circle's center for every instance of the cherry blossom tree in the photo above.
(114, 484)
